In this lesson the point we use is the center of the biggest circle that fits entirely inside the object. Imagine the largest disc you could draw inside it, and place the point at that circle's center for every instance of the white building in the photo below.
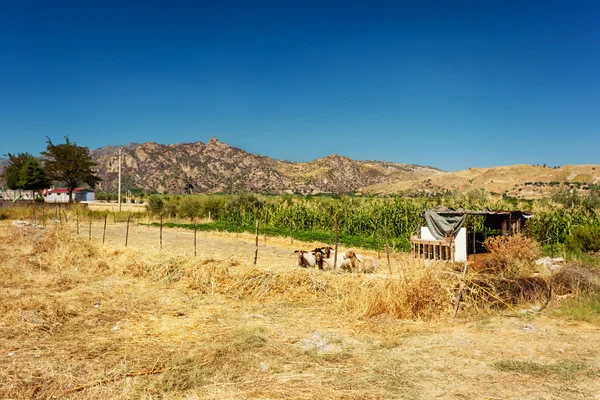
(449, 236)
(12, 195)
(61, 195)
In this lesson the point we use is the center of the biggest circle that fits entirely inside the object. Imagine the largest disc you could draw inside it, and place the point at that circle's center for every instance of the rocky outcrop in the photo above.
(217, 167)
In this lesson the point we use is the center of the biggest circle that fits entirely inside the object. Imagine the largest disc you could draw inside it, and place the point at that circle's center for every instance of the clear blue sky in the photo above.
(452, 84)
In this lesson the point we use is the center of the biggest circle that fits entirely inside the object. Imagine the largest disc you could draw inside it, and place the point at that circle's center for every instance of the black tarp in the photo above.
(444, 222)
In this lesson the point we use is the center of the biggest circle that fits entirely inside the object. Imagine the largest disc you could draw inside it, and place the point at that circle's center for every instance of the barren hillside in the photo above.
(216, 167)
(522, 180)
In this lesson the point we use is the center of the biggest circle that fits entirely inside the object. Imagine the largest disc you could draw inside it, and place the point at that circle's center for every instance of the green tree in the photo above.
(70, 164)
(33, 176)
(12, 173)
(155, 204)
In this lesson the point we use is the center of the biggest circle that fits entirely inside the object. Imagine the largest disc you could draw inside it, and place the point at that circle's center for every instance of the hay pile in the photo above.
(417, 292)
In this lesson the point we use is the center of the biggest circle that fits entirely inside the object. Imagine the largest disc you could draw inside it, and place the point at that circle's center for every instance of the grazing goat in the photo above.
(359, 263)
(328, 263)
(306, 258)
(326, 251)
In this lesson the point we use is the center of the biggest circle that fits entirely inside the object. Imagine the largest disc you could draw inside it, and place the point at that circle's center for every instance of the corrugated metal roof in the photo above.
(443, 210)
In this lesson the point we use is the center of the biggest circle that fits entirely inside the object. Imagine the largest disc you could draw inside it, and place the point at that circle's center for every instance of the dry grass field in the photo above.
(125, 207)
(84, 320)
(498, 179)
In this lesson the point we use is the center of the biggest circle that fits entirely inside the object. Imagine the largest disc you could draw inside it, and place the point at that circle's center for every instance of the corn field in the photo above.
(366, 217)
(361, 217)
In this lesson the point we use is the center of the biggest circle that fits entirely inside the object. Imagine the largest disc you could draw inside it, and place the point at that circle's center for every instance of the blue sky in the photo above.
(453, 84)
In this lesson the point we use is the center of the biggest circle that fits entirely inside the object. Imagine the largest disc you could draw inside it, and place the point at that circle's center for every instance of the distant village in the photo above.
(58, 195)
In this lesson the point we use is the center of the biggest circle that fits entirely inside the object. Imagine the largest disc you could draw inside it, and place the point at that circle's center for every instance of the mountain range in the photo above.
(216, 167)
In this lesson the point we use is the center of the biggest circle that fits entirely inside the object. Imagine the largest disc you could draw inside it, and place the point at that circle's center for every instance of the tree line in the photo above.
(65, 163)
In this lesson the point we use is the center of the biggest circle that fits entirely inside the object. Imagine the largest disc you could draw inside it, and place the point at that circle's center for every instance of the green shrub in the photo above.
(155, 204)
(584, 239)
(189, 207)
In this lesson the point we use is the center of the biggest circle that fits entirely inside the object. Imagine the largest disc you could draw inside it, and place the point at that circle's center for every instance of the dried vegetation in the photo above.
(89, 321)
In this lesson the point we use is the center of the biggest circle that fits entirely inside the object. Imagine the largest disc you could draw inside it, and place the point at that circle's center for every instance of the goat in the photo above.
(326, 251)
(305, 258)
(329, 263)
(359, 263)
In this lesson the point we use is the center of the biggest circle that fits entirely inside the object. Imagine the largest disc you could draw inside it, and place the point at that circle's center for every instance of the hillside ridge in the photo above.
(216, 167)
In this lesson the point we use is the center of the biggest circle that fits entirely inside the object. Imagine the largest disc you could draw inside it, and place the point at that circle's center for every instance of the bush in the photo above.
(155, 204)
(189, 208)
(584, 239)
(577, 278)
(511, 256)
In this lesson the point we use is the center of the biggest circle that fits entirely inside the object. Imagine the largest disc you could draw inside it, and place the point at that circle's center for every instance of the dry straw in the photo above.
(49, 305)
(420, 291)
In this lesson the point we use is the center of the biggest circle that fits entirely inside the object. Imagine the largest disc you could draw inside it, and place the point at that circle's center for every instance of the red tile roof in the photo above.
(65, 190)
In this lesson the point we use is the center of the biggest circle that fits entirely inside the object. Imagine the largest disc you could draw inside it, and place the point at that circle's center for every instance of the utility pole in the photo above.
(119, 195)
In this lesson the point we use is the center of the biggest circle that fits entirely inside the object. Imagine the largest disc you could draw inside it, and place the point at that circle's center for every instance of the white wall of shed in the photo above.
(460, 242)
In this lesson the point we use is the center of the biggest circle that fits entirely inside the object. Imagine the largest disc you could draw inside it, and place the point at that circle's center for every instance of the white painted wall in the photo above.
(57, 198)
(460, 242)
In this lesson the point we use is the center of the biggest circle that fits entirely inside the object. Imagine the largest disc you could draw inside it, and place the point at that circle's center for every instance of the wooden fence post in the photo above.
(256, 243)
(77, 222)
(127, 230)
(161, 225)
(378, 234)
(331, 220)
(195, 232)
(90, 229)
(336, 242)
(291, 236)
(460, 289)
(474, 241)
(265, 227)
(387, 247)
(104, 230)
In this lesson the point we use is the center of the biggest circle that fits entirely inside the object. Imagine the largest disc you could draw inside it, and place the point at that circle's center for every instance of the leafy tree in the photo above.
(155, 204)
(33, 176)
(12, 173)
(70, 164)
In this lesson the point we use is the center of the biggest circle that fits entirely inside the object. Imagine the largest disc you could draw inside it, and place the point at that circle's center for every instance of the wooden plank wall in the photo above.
(432, 249)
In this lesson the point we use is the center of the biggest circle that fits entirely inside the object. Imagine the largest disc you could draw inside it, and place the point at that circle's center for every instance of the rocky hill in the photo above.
(217, 167)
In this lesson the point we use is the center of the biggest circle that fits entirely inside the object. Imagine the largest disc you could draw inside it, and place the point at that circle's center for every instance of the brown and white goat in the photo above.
(329, 263)
(359, 263)
(305, 258)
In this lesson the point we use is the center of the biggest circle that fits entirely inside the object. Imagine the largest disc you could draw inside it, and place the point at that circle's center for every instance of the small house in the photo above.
(61, 195)
(450, 235)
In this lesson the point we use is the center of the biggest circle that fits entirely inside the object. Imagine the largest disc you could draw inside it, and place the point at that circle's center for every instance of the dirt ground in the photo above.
(71, 333)
(276, 252)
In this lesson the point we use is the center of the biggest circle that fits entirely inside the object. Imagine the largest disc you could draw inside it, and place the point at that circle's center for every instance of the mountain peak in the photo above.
(213, 141)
